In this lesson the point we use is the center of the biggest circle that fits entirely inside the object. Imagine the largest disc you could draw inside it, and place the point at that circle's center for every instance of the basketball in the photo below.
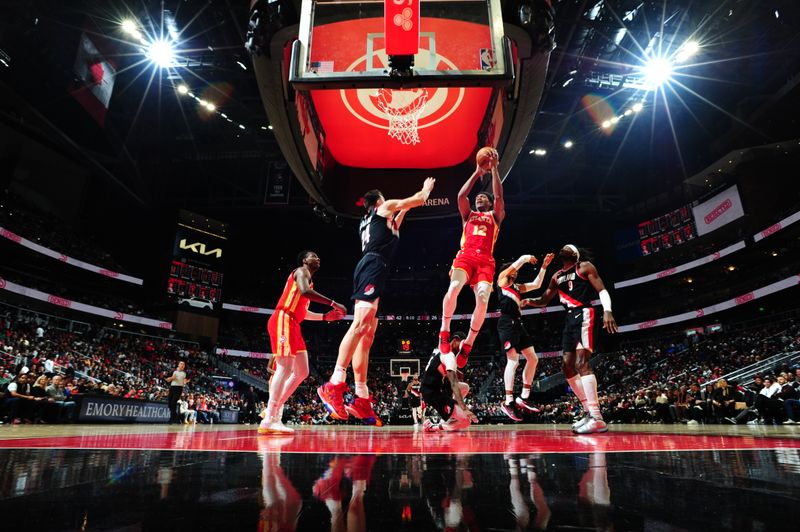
(486, 157)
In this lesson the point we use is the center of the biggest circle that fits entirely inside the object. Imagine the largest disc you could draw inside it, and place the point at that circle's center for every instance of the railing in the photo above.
(745, 375)
(242, 375)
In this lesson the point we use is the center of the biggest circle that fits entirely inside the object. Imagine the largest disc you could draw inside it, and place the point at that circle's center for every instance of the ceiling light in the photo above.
(657, 71)
(606, 124)
(211, 107)
(615, 120)
(128, 26)
(568, 144)
(686, 51)
(161, 53)
(540, 152)
(628, 112)
(241, 65)
(638, 106)
(183, 89)
(241, 126)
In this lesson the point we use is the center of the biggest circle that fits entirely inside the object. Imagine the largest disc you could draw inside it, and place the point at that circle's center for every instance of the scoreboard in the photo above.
(196, 271)
(667, 231)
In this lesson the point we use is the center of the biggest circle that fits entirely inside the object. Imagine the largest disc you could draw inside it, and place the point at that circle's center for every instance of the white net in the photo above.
(403, 110)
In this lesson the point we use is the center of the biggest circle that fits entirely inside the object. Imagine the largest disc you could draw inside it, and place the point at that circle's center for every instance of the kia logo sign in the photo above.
(648, 324)
(165, 325)
(63, 258)
(108, 273)
(249, 309)
(700, 313)
(200, 248)
(718, 211)
(666, 273)
(119, 316)
(2, 283)
(744, 298)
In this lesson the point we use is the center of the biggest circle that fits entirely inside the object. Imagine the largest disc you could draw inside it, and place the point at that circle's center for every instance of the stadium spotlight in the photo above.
(183, 89)
(638, 106)
(606, 124)
(615, 120)
(568, 144)
(627, 112)
(686, 51)
(210, 106)
(161, 53)
(656, 72)
(129, 26)
(540, 152)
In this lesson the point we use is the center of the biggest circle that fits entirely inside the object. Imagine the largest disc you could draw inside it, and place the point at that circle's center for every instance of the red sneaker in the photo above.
(463, 354)
(362, 409)
(444, 342)
(327, 487)
(332, 396)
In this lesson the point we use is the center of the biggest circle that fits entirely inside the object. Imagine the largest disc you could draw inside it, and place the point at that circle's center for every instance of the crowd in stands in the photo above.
(646, 382)
(66, 365)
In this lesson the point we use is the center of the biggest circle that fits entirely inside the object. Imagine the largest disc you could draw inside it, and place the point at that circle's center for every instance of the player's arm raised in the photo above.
(499, 207)
(391, 206)
(464, 207)
(304, 284)
(537, 283)
(398, 219)
(545, 298)
(502, 279)
(609, 323)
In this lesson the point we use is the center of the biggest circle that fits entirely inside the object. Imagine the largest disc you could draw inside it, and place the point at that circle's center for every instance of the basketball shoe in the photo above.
(332, 396)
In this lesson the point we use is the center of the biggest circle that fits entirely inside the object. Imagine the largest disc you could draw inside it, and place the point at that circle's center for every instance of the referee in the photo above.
(176, 383)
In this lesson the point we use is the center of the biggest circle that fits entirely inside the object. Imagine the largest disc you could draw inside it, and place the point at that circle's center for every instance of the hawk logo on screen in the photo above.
(199, 247)
(366, 104)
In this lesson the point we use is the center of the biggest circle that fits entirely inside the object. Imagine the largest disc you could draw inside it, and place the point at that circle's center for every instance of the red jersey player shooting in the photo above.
(575, 284)
(474, 263)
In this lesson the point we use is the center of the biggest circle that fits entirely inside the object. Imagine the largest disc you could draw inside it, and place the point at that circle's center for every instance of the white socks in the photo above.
(577, 387)
(590, 389)
(339, 375)
(361, 390)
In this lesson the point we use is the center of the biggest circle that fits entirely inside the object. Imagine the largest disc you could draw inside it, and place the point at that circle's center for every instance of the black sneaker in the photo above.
(526, 404)
(510, 410)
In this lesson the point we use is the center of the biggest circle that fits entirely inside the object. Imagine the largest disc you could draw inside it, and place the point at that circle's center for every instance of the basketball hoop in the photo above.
(404, 374)
(403, 120)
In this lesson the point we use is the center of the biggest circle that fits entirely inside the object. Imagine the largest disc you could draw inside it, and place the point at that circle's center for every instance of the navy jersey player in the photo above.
(380, 236)
(442, 390)
(514, 339)
(575, 285)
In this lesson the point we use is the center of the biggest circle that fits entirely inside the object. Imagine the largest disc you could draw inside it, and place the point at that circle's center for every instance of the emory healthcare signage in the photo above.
(117, 409)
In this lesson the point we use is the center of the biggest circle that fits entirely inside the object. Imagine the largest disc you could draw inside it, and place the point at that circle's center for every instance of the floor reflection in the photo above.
(274, 491)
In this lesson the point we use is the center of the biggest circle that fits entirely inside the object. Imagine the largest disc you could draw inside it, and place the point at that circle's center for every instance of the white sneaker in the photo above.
(692, 422)
(790, 422)
(455, 424)
(581, 422)
(593, 426)
(754, 422)
(274, 427)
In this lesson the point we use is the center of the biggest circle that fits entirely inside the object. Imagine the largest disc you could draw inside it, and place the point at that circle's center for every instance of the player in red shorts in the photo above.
(288, 346)
(474, 263)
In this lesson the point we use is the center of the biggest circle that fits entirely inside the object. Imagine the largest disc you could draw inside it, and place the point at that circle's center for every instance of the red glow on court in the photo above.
(380, 441)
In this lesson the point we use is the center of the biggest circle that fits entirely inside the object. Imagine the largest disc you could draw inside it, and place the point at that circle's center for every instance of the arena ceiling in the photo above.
(162, 148)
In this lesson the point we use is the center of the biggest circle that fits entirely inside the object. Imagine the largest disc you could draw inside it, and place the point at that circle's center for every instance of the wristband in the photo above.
(605, 300)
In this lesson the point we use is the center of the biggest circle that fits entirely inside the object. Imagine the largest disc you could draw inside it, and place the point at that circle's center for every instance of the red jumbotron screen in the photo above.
(355, 125)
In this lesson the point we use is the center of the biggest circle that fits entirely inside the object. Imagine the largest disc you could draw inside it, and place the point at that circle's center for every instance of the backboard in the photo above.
(343, 44)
